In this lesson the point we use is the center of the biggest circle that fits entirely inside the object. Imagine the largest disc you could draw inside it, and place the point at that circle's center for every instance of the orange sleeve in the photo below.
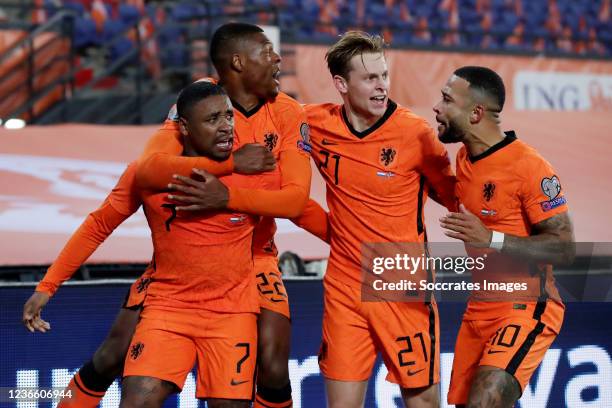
(289, 201)
(437, 169)
(161, 159)
(315, 220)
(122, 202)
(292, 121)
(124, 197)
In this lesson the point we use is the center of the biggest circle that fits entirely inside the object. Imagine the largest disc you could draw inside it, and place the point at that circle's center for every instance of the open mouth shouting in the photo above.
(225, 143)
(276, 76)
(379, 100)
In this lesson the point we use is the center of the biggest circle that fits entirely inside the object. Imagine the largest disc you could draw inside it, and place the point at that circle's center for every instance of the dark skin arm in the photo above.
(551, 241)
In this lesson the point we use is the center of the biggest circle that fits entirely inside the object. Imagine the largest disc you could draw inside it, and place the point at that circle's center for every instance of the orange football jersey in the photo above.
(280, 125)
(510, 187)
(201, 260)
(377, 180)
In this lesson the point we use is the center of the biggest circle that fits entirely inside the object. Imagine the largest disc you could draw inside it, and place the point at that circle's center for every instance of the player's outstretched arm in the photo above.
(93, 231)
(315, 220)
(161, 160)
(118, 206)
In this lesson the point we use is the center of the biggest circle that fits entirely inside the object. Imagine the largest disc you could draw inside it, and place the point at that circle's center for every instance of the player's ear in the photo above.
(478, 112)
(237, 62)
(340, 84)
(183, 127)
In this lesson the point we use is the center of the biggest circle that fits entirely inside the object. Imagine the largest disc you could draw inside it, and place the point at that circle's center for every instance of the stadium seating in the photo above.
(172, 35)
(561, 26)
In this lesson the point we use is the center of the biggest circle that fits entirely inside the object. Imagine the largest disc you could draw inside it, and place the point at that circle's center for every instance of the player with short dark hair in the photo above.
(227, 39)
(189, 97)
(485, 83)
(513, 209)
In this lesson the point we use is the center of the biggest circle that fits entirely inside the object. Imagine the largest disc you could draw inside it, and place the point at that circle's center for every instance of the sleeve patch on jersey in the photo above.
(552, 204)
(551, 187)
(305, 132)
(173, 114)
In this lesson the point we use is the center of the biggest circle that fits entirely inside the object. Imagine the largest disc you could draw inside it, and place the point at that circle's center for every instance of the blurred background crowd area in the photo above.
(129, 44)
(555, 26)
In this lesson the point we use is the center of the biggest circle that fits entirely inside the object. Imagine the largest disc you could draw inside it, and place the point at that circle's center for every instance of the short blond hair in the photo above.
(352, 43)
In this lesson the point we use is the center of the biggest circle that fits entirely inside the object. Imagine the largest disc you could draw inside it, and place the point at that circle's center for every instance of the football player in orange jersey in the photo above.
(512, 207)
(201, 305)
(91, 381)
(379, 161)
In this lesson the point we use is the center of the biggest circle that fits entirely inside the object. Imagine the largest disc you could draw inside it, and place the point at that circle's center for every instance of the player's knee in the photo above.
(424, 397)
(109, 358)
(272, 370)
(345, 394)
(144, 392)
(272, 366)
(111, 354)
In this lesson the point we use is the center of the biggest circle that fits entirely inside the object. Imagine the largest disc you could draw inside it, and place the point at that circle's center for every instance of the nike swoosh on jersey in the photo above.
(411, 373)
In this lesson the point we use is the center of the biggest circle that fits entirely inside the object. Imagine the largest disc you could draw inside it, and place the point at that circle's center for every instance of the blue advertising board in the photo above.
(576, 371)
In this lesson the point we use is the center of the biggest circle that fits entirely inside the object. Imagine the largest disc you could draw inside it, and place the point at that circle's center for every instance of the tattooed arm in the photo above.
(551, 240)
